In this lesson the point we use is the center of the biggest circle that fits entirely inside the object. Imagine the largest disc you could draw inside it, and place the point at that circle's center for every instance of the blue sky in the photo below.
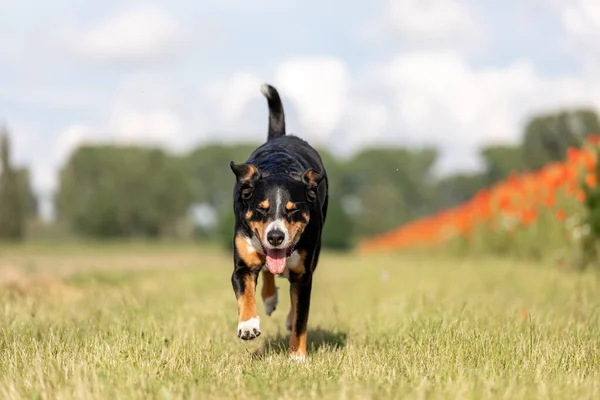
(454, 73)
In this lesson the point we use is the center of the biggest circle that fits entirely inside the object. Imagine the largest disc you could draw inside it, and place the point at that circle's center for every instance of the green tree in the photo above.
(393, 186)
(547, 136)
(12, 212)
(455, 189)
(500, 161)
(30, 201)
(110, 191)
(339, 227)
(338, 231)
(225, 227)
(212, 180)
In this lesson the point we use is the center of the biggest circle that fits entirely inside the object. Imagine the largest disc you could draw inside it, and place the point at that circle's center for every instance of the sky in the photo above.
(457, 74)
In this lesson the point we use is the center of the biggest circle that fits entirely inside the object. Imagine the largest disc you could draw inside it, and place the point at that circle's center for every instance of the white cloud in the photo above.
(438, 98)
(71, 138)
(314, 91)
(581, 20)
(137, 126)
(144, 109)
(231, 96)
(431, 19)
(318, 88)
(431, 24)
(143, 33)
(366, 121)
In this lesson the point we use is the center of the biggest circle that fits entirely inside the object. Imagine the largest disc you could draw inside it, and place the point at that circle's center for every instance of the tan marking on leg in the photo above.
(268, 287)
(291, 317)
(288, 321)
(248, 253)
(247, 301)
(297, 347)
(269, 292)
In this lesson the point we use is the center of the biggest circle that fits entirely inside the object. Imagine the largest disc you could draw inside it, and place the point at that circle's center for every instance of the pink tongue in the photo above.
(276, 261)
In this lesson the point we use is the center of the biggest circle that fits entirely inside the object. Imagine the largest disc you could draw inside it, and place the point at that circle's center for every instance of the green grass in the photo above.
(117, 322)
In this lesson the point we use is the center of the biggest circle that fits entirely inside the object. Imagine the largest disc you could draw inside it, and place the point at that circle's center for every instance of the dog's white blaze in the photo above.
(278, 225)
(278, 202)
(249, 326)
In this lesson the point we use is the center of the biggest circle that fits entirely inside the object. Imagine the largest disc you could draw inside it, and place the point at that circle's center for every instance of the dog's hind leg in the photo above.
(269, 292)
(301, 273)
(300, 305)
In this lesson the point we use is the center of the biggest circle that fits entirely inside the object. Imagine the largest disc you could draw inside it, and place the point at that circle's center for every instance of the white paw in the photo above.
(271, 302)
(248, 330)
(297, 358)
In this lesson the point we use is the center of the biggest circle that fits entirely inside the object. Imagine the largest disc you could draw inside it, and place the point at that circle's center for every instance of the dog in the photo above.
(280, 204)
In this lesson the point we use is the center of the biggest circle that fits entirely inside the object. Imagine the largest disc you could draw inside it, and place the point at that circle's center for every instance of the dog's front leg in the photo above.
(244, 285)
(248, 264)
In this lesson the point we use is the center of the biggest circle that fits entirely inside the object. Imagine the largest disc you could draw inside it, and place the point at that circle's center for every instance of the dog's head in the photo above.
(276, 208)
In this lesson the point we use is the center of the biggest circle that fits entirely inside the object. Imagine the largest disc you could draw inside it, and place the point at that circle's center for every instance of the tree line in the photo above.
(109, 191)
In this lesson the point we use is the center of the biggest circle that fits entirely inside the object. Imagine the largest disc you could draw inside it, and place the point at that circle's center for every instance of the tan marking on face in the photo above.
(264, 204)
(290, 206)
(247, 253)
(310, 175)
(297, 345)
(268, 287)
(295, 229)
(258, 227)
(247, 301)
(252, 170)
(248, 214)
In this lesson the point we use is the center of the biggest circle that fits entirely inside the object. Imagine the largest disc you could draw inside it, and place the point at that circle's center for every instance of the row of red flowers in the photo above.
(519, 198)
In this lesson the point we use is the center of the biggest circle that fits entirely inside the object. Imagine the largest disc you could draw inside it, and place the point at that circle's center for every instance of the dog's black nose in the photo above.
(275, 237)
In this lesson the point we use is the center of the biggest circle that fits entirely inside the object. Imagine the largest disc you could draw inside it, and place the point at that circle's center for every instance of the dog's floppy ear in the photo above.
(311, 179)
(246, 175)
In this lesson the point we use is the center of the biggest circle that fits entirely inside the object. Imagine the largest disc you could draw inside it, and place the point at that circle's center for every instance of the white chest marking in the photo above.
(253, 245)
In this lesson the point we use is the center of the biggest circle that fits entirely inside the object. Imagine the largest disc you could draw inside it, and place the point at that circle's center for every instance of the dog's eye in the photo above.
(290, 213)
(247, 193)
(262, 211)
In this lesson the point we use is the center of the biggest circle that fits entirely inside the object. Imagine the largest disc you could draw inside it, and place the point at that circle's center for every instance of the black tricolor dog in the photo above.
(280, 204)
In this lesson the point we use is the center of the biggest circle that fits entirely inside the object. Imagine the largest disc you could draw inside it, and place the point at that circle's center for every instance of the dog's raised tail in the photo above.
(276, 114)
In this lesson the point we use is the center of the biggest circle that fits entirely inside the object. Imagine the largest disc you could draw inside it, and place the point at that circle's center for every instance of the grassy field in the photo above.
(160, 322)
